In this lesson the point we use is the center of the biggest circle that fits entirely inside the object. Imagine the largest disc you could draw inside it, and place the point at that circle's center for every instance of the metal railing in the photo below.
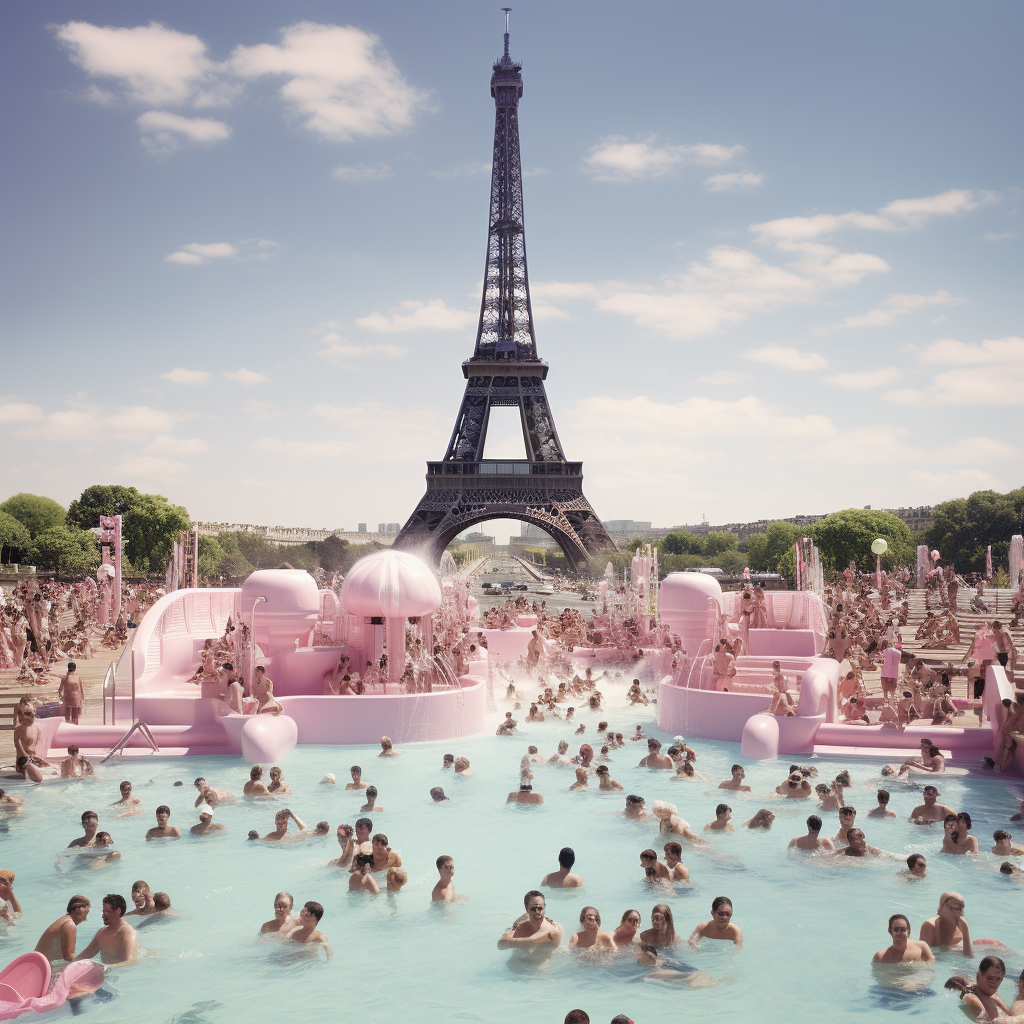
(140, 727)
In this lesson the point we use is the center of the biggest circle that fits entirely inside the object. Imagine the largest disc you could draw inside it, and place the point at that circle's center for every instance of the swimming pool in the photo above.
(810, 927)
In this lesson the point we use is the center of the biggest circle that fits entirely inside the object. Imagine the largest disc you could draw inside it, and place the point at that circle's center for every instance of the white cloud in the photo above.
(341, 82)
(896, 306)
(1002, 236)
(862, 380)
(786, 358)
(950, 352)
(899, 215)
(247, 378)
(197, 253)
(617, 158)
(260, 410)
(723, 377)
(179, 375)
(986, 450)
(149, 467)
(155, 65)
(362, 172)
(414, 315)
(340, 352)
(140, 419)
(734, 181)
(166, 444)
(20, 412)
(905, 396)
(163, 132)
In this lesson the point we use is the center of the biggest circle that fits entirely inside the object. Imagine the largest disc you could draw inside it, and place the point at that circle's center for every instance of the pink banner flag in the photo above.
(988, 563)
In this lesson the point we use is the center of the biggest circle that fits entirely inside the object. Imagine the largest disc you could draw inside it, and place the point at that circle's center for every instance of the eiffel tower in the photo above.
(543, 489)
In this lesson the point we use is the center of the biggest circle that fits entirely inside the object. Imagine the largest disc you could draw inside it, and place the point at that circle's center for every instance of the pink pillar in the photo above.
(394, 635)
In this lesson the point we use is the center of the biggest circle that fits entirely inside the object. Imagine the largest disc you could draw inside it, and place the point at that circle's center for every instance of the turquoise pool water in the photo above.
(810, 926)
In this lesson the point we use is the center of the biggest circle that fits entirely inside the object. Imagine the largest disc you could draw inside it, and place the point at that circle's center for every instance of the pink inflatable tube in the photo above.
(268, 737)
(25, 981)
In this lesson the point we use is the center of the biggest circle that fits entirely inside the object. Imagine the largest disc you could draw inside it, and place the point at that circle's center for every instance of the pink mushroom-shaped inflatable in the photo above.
(394, 586)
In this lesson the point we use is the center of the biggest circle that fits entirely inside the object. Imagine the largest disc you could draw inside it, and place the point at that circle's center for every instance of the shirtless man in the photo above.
(723, 812)
(307, 932)
(736, 783)
(357, 779)
(858, 846)
(263, 690)
(206, 824)
(117, 942)
(917, 866)
(607, 783)
(782, 702)
(223, 796)
(59, 940)
(562, 756)
(537, 934)
(813, 840)
(163, 830)
(930, 810)
(1004, 845)
(142, 897)
(11, 804)
(677, 870)
(371, 806)
(128, 803)
(904, 949)
(948, 928)
(581, 780)
(655, 758)
(564, 878)
(444, 890)
(958, 838)
(347, 842)
(361, 879)
(90, 823)
(525, 794)
(931, 760)
(71, 694)
(27, 737)
(847, 816)
(1011, 732)
(653, 868)
(720, 926)
(255, 786)
(74, 766)
(280, 833)
(383, 856)
(882, 810)
(796, 787)
(590, 935)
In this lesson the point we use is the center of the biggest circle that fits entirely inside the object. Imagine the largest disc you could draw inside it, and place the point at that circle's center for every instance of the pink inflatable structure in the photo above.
(695, 702)
(25, 984)
(297, 634)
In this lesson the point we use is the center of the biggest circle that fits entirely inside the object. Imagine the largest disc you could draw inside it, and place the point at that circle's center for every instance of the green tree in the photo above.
(765, 550)
(14, 537)
(963, 528)
(101, 500)
(718, 541)
(149, 529)
(682, 542)
(846, 536)
(67, 550)
(35, 512)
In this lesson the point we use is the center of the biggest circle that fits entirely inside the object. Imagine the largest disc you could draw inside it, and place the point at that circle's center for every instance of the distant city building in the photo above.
(361, 527)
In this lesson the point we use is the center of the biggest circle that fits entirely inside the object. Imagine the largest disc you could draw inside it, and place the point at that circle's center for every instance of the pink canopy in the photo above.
(392, 584)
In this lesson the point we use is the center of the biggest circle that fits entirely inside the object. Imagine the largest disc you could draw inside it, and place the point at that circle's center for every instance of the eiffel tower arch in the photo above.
(464, 488)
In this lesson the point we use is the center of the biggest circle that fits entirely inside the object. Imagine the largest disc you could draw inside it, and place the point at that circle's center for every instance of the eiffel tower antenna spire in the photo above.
(544, 489)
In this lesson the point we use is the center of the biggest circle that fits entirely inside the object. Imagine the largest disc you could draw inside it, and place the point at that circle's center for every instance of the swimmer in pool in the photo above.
(143, 899)
(762, 819)
(90, 823)
(831, 798)
(307, 931)
(672, 972)
(720, 926)
(564, 878)
(280, 833)
(537, 936)
(117, 942)
(255, 786)
(444, 890)
(282, 922)
(1004, 844)
(957, 838)
(383, 856)
(813, 840)
(590, 935)
(948, 928)
(653, 869)
(278, 786)
(103, 839)
(361, 879)
(626, 932)
(635, 809)
(357, 779)
(903, 949)
(882, 810)
(562, 756)
(437, 795)
(796, 787)
(207, 825)
(387, 748)
(858, 846)
(931, 810)
(223, 796)
(10, 804)
(128, 803)
(606, 782)
(347, 842)
(847, 816)
(736, 782)
(396, 878)
(59, 940)
(723, 812)
(1011, 871)
(677, 870)
(662, 931)
(461, 766)
(917, 866)
(581, 780)
(655, 758)
(981, 999)
(364, 828)
(162, 829)
(371, 806)
(931, 760)
(525, 794)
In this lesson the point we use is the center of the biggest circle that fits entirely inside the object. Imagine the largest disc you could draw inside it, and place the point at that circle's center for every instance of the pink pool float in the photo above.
(25, 984)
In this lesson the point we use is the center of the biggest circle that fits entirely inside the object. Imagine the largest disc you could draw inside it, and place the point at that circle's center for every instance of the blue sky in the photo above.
(774, 250)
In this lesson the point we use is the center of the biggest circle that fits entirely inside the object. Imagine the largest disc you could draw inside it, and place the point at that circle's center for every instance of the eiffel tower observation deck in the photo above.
(543, 489)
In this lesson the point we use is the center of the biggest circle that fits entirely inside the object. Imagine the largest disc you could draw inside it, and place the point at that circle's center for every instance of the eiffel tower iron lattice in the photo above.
(543, 489)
